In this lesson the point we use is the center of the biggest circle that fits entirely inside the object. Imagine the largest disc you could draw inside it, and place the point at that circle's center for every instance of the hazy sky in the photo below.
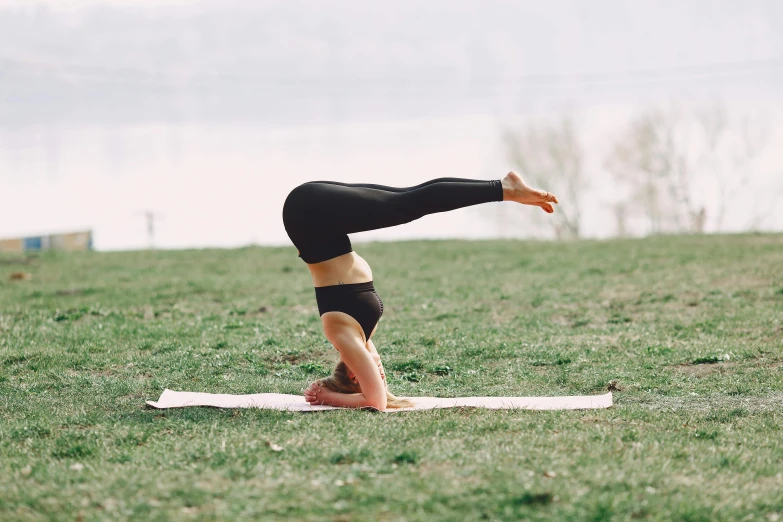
(287, 61)
(209, 112)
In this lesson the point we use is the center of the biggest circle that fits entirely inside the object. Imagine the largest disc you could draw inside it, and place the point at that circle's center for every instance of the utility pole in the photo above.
(150, 217)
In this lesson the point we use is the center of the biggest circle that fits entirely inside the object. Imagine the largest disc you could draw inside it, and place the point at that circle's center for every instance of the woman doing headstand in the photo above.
(318, 217)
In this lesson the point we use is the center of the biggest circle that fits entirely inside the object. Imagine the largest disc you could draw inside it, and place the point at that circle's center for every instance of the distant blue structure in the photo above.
(69, 241)
(33, 243)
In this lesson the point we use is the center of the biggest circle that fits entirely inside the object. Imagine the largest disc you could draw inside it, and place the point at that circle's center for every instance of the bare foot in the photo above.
(514, 189)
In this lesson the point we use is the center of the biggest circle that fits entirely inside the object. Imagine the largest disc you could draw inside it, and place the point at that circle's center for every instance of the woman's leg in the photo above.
(318, 216)
(403, 189)
(347, 209)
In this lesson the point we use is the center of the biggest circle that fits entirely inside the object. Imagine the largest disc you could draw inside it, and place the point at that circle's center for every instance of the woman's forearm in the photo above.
(350, 400)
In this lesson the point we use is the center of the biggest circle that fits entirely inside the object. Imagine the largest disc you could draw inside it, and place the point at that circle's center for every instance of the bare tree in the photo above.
(666, 160)
(730, 154)
(550, 156)
(650, 161)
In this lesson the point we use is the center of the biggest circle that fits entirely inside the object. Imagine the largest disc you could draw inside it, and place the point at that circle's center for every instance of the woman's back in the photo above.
(346, 269)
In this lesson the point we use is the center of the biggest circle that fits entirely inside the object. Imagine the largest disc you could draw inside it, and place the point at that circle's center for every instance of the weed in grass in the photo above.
(710, 359)
(618, 319)
(350, 456)
(189, 497)
(474, 353)
(533, 499)
(406, 457)
(411, 376)
(441, 369)
(17, 359)
(407, 366)
(70, 315)
(313, 367)
(653, 298)
(563, 377)
(73, 447)
(706, 434)
(429, 342)
(738, 389)
(661, 351)
(29, 432)
(593, 271)
(132, 439)
(630, 436)
(559, 361)
(121, 458)
(602, 510)
(233, 326)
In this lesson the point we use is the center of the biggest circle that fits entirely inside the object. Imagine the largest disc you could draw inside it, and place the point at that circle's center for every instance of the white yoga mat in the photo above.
(279, 401)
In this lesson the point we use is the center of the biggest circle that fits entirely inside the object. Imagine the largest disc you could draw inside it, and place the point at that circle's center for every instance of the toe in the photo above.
(547, 207)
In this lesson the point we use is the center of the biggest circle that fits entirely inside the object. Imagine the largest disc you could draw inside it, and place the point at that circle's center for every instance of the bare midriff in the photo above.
(346, 269)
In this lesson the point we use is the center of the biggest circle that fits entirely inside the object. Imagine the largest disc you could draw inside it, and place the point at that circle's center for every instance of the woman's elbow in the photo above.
(378, 403)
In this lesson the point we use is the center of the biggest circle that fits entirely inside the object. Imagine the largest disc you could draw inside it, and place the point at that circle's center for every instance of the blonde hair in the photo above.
(340, 382)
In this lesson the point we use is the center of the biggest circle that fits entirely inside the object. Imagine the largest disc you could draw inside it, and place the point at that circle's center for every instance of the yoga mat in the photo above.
(279, 401)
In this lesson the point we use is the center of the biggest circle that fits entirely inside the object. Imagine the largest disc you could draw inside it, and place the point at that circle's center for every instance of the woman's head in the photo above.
(343, 381)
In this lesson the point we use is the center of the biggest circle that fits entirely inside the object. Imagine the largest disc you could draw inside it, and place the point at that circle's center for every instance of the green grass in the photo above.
(689, 328)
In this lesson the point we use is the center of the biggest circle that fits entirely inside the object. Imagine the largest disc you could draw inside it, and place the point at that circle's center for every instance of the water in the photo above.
(224, 184)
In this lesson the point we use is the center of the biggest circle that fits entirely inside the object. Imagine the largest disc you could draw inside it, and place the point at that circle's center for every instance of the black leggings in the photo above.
(319, 215)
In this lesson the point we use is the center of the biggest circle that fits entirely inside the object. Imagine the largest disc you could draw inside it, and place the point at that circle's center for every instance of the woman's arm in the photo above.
(317, 394)
(377, 358)
(360, 361)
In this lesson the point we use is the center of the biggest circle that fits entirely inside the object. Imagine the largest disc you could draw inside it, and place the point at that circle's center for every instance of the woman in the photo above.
(318, 217)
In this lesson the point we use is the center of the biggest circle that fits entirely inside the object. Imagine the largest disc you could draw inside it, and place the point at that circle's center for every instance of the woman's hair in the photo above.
(340, 382)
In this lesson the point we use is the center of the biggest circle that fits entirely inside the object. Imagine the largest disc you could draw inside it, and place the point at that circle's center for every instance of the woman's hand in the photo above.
(315, 393)
(318, 394)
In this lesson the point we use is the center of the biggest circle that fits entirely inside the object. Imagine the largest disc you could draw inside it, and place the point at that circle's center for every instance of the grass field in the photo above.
(690, 329)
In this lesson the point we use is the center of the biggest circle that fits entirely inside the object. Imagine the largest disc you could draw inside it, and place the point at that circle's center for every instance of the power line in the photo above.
(184, 80)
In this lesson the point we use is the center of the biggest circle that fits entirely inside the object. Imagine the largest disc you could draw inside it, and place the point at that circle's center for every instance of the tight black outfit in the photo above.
(319, 215)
